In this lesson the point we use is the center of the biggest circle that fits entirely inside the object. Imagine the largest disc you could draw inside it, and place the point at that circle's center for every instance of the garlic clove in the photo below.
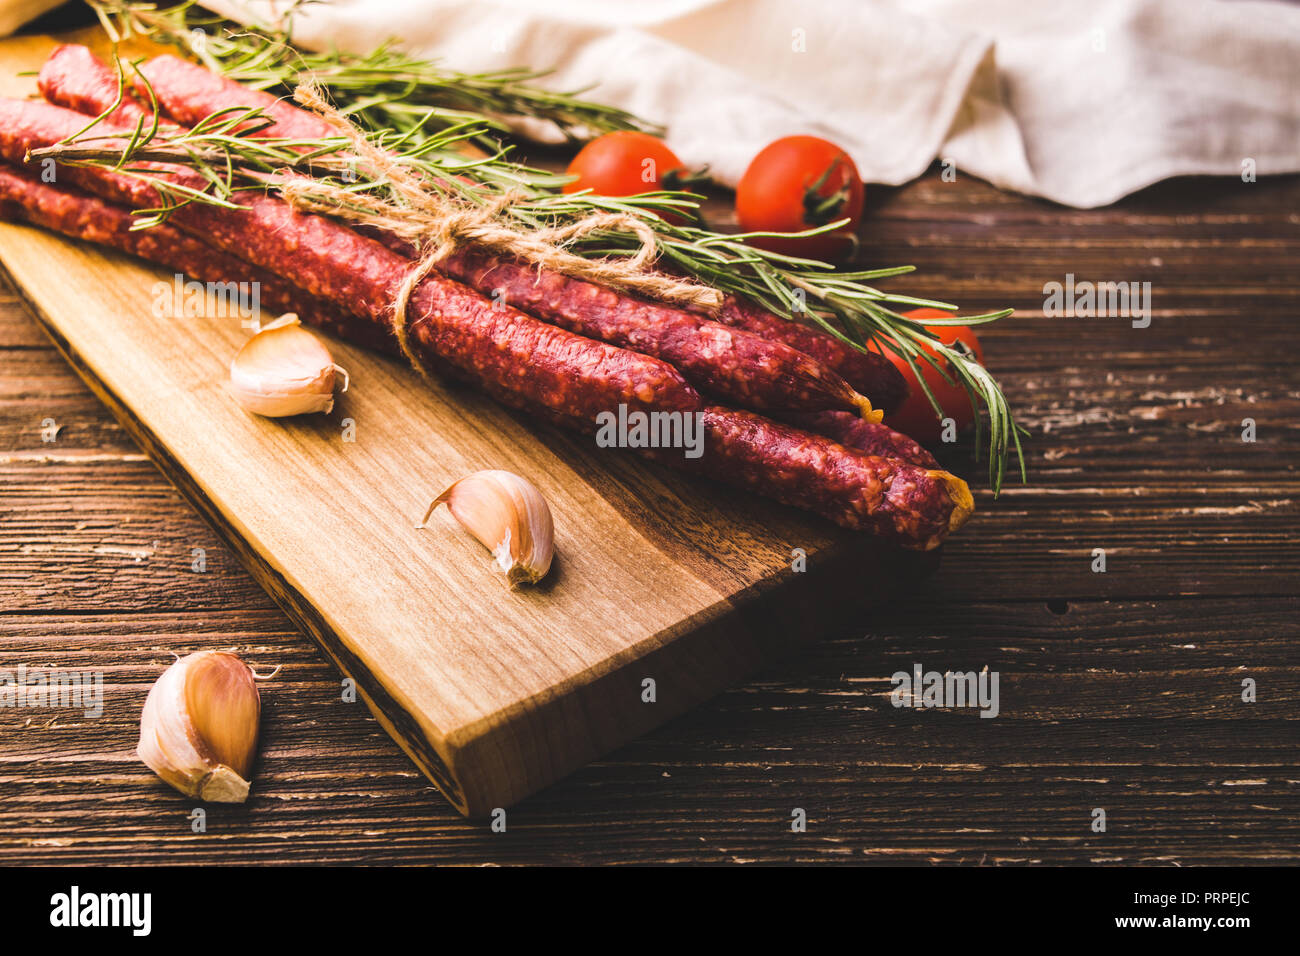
(198, 729)
(509, 516)
(284, 370)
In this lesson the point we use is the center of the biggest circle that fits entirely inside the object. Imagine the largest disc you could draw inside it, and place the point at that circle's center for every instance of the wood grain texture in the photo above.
(494, 693)
(1120, 690)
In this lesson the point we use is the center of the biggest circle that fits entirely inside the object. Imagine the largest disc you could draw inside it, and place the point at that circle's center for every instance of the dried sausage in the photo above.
(189, 93)
(869, 373)
(542, 362)
(82, 216)
(753, 371)
(874, 438)
(908, 504)
(538, 367)
(73, 77)
(901, 502)
(732, 364)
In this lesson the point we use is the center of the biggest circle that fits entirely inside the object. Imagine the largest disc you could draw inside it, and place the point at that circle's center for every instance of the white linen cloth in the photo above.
(1078, 101)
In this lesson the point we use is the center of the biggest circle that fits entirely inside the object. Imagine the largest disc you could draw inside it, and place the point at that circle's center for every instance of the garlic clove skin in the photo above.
(198, 729)
(509, 517)
(284, 370)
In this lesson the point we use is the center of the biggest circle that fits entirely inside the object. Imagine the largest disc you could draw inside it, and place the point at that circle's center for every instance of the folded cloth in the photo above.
(1078, 101)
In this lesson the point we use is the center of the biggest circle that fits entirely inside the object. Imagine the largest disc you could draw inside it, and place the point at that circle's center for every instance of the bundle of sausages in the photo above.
(557, 347)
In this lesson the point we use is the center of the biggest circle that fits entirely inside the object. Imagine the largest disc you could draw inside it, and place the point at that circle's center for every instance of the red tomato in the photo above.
(916, 417)
(624, 164)
(797, 183)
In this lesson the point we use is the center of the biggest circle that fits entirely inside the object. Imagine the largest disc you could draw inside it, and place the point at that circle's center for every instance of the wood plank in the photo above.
(1134, 710)
(1157, 736)
(718, 785)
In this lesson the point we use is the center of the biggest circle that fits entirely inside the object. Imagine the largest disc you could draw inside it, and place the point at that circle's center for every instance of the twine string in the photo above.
(439, 224)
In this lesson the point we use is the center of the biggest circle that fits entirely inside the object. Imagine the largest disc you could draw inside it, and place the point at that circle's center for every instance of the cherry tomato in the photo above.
(916, 417)
(623, 164)
(797, 183)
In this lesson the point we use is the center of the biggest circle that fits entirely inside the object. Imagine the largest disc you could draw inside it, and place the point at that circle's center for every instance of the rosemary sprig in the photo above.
(431, 140)
(384, 89)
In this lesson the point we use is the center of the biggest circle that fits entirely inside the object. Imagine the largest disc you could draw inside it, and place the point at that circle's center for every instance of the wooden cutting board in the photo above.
(664, 591)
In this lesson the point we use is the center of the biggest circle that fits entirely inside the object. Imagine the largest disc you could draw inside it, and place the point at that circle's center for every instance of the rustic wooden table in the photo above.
(1120, 690)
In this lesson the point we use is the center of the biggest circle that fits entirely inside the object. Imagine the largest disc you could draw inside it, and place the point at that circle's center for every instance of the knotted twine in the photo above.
(438, 224)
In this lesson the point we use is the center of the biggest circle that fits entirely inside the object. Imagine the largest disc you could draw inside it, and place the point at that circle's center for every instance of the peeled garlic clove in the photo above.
(198, 730)
(509, 516)
(284, 370)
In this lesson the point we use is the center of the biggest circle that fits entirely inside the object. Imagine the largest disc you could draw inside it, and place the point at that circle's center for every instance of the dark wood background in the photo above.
(1119, 690)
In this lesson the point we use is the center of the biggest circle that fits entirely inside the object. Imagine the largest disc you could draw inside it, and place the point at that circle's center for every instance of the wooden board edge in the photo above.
(729, 643)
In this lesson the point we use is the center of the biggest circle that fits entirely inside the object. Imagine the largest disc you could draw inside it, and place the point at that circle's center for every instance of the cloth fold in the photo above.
(1078, 101)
